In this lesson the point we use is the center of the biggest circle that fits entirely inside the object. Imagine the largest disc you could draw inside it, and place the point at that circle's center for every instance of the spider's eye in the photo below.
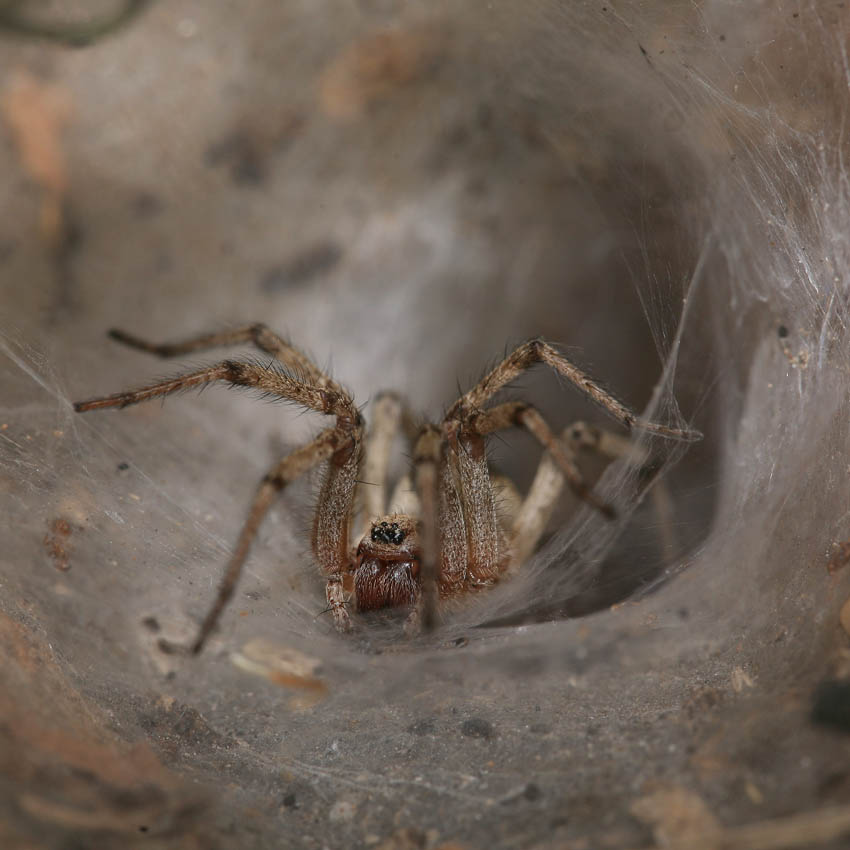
(387, 533)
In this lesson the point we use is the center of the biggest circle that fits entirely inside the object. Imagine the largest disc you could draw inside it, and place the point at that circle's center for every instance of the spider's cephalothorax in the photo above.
(385, 568)
(446, 536)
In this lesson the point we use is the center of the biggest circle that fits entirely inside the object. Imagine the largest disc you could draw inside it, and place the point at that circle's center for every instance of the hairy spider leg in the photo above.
(532, 514)
(261, 336)
(385, 422)
(427, 461)
(332, 523)
(404, 499)
(331, 401)
(515, 414)
(584, 437)
(537, 351)
(284, 472)
(331, 527)
(466, 459)
(531, 517)
(487, 549)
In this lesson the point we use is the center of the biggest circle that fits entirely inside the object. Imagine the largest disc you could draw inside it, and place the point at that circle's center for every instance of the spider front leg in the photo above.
(339, 444)
(332, 523)
(331, 401)
(487, 551)
(258, 334)
(287, 470)
(536, 351)
(468, 477)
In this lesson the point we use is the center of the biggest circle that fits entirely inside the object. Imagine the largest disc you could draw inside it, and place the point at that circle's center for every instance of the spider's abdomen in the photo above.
(386, 568)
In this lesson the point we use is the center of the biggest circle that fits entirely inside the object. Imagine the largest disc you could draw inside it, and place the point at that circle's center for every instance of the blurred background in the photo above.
(407, 190)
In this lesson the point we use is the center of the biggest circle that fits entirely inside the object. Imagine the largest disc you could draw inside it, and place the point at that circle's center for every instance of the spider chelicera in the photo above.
(445, 535)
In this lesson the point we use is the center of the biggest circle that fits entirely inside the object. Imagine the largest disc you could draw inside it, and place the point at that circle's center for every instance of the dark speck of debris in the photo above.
(423, 727)
(311, 263)
(289, 801)
(239, 152)
(642, 49)
(782, 331)
(123, 466)
(832, 705)
(151, 624)
(143, 829)
(532, 792)
(477, 727)
(166, 647)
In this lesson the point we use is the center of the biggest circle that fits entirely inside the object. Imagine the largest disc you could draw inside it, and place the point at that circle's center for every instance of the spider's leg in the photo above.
(386, 420)
(508, 499)
(535, 511)
(530, 517)
(334, 402)
(468, 480)
(537, 351)
(330, 533)
(444, 556)
(427, 459)
(258, 334)
(590, 438)
(519, 414)
(530, 520)
(404, 499)
(487, 550)
(287, 470)
(332, 523)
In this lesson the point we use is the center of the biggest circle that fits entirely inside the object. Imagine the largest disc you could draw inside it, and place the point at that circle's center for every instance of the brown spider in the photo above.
(446, 536)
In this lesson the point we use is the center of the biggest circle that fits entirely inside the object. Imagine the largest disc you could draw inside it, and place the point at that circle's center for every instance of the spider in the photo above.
(446, 536)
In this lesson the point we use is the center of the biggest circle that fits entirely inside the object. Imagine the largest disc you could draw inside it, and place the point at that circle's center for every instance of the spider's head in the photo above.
(386, 568)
